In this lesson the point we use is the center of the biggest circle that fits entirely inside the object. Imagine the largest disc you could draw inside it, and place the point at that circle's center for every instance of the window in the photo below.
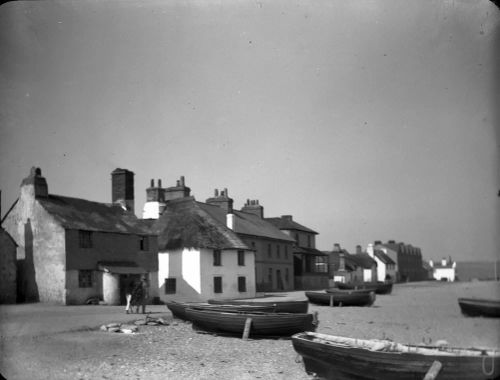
(85, 278)
(218, 284)
(85, 239)
(270, 275)
(287, 275)
(309, 241)
(269, 250)
(170, 286)
(278, 254)
(321, 264)
(242, 284)
(143, 243)
(286, 251)
(217, 257)
(297, 238)
(241, 258)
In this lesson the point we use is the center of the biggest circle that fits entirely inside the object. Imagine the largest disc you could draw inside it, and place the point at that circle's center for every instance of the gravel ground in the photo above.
(414, 313)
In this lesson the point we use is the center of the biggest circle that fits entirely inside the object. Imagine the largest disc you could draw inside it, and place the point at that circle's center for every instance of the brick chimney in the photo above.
(222, 200)
(180, 190)
(336, 247)
(253, 207)
(122, 188)
(35, 179)
(358, 249)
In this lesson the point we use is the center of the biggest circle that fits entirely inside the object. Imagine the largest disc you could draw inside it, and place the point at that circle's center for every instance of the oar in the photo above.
(433, 370)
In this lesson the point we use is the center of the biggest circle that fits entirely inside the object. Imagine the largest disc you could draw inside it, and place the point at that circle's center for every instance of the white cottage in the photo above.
(444, 270)
(199, 257)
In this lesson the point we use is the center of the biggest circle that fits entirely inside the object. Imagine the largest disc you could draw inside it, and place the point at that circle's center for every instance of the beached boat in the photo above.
(475, 307)
(338, 297)
(377, 287)
(178, 309)
(334, 357)
(268, 324)
(281, 306)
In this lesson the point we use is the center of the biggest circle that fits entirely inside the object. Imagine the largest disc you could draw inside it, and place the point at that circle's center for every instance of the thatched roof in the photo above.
(184, 224)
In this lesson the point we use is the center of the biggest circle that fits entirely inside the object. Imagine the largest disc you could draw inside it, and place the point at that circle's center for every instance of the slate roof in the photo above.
(309, 251)
(247, 223)
(81, 214)
(289, 224)
(382, 256)
(184, 223)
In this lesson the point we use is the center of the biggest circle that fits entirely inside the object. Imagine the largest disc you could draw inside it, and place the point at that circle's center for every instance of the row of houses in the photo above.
(67, 250)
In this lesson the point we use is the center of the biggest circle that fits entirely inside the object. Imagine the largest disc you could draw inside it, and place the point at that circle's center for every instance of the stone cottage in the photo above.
(8, 267)
(70, 250)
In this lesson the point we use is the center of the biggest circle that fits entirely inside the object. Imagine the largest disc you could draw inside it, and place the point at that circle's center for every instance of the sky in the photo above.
(365, 120)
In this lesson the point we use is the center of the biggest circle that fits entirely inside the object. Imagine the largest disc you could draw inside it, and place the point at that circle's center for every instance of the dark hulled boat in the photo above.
(338, 297)
(262, 324)
(333, 357)
(281, 306)
(178, 309)
(475, 307)
(377, 287)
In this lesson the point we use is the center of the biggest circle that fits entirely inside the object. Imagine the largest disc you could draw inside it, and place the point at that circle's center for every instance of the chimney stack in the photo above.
(253, 207)
(178, 191)
(336, 247)
(222, 200)
(358, 249)
(122, 188)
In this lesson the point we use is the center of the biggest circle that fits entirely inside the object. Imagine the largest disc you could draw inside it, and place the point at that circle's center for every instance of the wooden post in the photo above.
(340, 304)
(315, 318)
(433, 371)
(331, 300)
(246, 331)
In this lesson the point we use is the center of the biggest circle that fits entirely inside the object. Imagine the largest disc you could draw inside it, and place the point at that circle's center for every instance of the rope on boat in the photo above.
(489, 373)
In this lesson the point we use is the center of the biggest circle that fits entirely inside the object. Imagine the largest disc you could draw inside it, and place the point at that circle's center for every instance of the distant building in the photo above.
(386, 267)
(408, 259)
(8, 267)
(71, 249)
(443, 270)
(310, 264)
(346, 267)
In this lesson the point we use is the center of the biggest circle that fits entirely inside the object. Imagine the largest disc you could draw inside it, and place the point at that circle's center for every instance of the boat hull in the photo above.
(263, 324)
(378, 288)
(346, 362)
(280, 306)
(178, 309)
(342, 297)
(475, 307)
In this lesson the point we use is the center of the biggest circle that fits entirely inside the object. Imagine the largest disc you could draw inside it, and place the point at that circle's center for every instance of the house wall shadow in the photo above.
(27, 288)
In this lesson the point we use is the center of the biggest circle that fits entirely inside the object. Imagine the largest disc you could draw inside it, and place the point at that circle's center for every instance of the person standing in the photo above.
(128, 296)
(140, 295)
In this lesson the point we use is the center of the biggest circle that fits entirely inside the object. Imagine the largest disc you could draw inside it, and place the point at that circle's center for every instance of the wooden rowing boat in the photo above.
(338, 297)
(178, 309)
(475, 307)
(334, 357)
(268, 324)
(377, 287)
(281, 306)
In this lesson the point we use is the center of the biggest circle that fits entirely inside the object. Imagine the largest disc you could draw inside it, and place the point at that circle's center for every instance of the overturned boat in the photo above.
(480, 307)
(335, 357)
(280, 306)
(260, 323)
(338, 297)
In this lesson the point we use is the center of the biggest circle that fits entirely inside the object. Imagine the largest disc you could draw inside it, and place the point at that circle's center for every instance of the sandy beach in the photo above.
(413, 313)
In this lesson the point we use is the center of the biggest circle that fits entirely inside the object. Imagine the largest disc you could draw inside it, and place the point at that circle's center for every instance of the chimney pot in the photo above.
(216, 192)
(225, 192)
(182, 180)
(159, 182)
(152, 183)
